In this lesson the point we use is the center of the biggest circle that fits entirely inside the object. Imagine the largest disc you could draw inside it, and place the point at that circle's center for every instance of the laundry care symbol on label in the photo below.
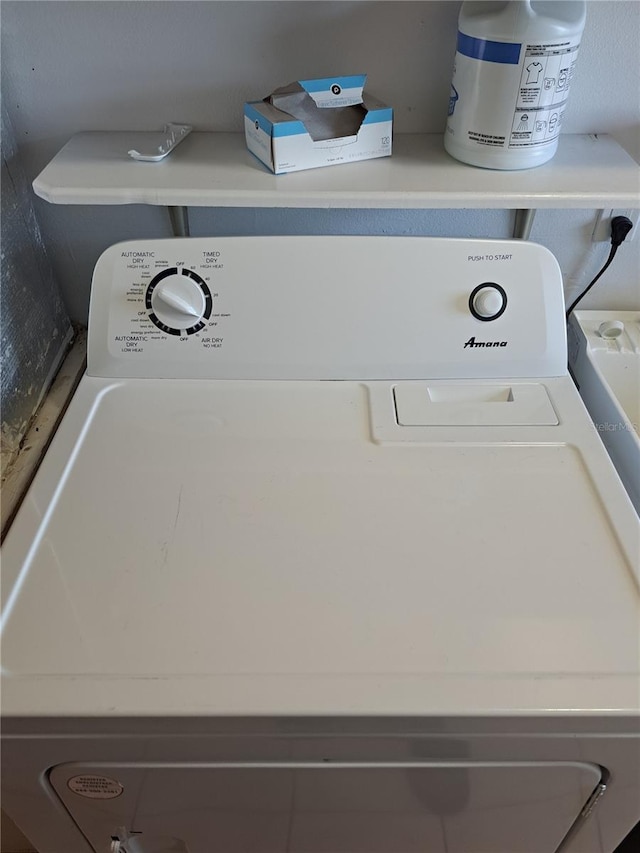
(534, 70)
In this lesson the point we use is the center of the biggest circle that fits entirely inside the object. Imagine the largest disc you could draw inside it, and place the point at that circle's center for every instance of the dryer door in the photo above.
(419, 807)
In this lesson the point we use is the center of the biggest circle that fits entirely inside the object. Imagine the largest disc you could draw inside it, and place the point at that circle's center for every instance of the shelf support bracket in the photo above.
(523, 223)
(179, 216)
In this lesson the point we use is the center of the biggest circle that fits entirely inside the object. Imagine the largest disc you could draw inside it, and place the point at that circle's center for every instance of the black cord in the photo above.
(612, 255)
(620, 227)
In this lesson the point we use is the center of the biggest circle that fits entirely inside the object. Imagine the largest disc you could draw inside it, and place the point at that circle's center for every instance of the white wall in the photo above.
(71, 66)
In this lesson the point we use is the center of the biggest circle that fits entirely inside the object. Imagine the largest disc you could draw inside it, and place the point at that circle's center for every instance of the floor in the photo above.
(631, 844)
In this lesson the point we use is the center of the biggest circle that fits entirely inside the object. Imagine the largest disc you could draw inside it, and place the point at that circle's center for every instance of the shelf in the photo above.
(216, 170)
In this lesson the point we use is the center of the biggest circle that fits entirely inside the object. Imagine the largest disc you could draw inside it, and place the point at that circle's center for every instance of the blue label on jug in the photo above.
(507, 53)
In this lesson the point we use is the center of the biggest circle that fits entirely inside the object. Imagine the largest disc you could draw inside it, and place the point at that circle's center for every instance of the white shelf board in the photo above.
(216, 170)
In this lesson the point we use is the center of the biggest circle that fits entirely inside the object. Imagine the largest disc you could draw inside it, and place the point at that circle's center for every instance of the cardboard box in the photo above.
(312, 123)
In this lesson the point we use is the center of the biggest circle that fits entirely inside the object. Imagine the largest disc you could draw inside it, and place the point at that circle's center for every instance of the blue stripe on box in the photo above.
(288, 128)
(378, 115)
(253, 115)
(507, 53)
(356, 81)
(285, 128)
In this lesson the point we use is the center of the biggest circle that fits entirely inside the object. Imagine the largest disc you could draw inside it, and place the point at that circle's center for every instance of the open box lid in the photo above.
(330, 108)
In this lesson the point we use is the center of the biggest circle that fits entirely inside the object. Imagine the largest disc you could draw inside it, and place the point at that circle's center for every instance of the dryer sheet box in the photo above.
(313, 123)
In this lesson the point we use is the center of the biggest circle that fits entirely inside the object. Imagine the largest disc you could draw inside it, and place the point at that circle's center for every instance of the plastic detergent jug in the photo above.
(513, 69)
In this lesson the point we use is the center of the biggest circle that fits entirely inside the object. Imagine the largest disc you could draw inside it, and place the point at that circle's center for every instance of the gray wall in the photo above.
(35, 326)
(71, 66)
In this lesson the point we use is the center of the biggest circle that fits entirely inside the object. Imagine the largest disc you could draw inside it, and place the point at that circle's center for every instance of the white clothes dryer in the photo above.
(326, 556)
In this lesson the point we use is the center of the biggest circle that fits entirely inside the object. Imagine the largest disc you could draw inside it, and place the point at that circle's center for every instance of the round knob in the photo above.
(178, 301)
(487, 301)
(611, 329)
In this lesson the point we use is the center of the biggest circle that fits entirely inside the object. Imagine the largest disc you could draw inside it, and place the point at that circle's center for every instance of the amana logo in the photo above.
(472, 342)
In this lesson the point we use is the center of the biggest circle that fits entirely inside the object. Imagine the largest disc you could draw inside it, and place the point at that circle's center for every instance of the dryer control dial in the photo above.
(487, 301)
(178, 301)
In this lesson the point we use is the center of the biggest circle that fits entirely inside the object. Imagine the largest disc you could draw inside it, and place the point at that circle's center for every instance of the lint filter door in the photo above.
(315, 808)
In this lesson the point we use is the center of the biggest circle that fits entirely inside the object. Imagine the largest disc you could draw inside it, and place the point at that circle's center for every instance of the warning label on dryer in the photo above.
(95, 787)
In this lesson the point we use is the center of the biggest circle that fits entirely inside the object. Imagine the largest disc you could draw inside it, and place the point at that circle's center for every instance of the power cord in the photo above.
(620, 227)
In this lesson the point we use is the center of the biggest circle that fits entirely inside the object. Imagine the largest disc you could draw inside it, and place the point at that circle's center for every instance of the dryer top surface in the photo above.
(256, 547)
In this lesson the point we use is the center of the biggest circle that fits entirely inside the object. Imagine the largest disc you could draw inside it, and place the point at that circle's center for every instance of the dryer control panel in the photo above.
(327, 308)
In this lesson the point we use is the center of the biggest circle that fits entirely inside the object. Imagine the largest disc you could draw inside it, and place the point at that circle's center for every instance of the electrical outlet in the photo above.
(602, 230)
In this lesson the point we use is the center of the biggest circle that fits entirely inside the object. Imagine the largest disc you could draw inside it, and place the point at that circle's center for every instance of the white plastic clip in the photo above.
(158, 145)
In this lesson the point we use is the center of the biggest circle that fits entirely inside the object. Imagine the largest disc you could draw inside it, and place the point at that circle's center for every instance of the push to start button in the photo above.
(487, 301)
